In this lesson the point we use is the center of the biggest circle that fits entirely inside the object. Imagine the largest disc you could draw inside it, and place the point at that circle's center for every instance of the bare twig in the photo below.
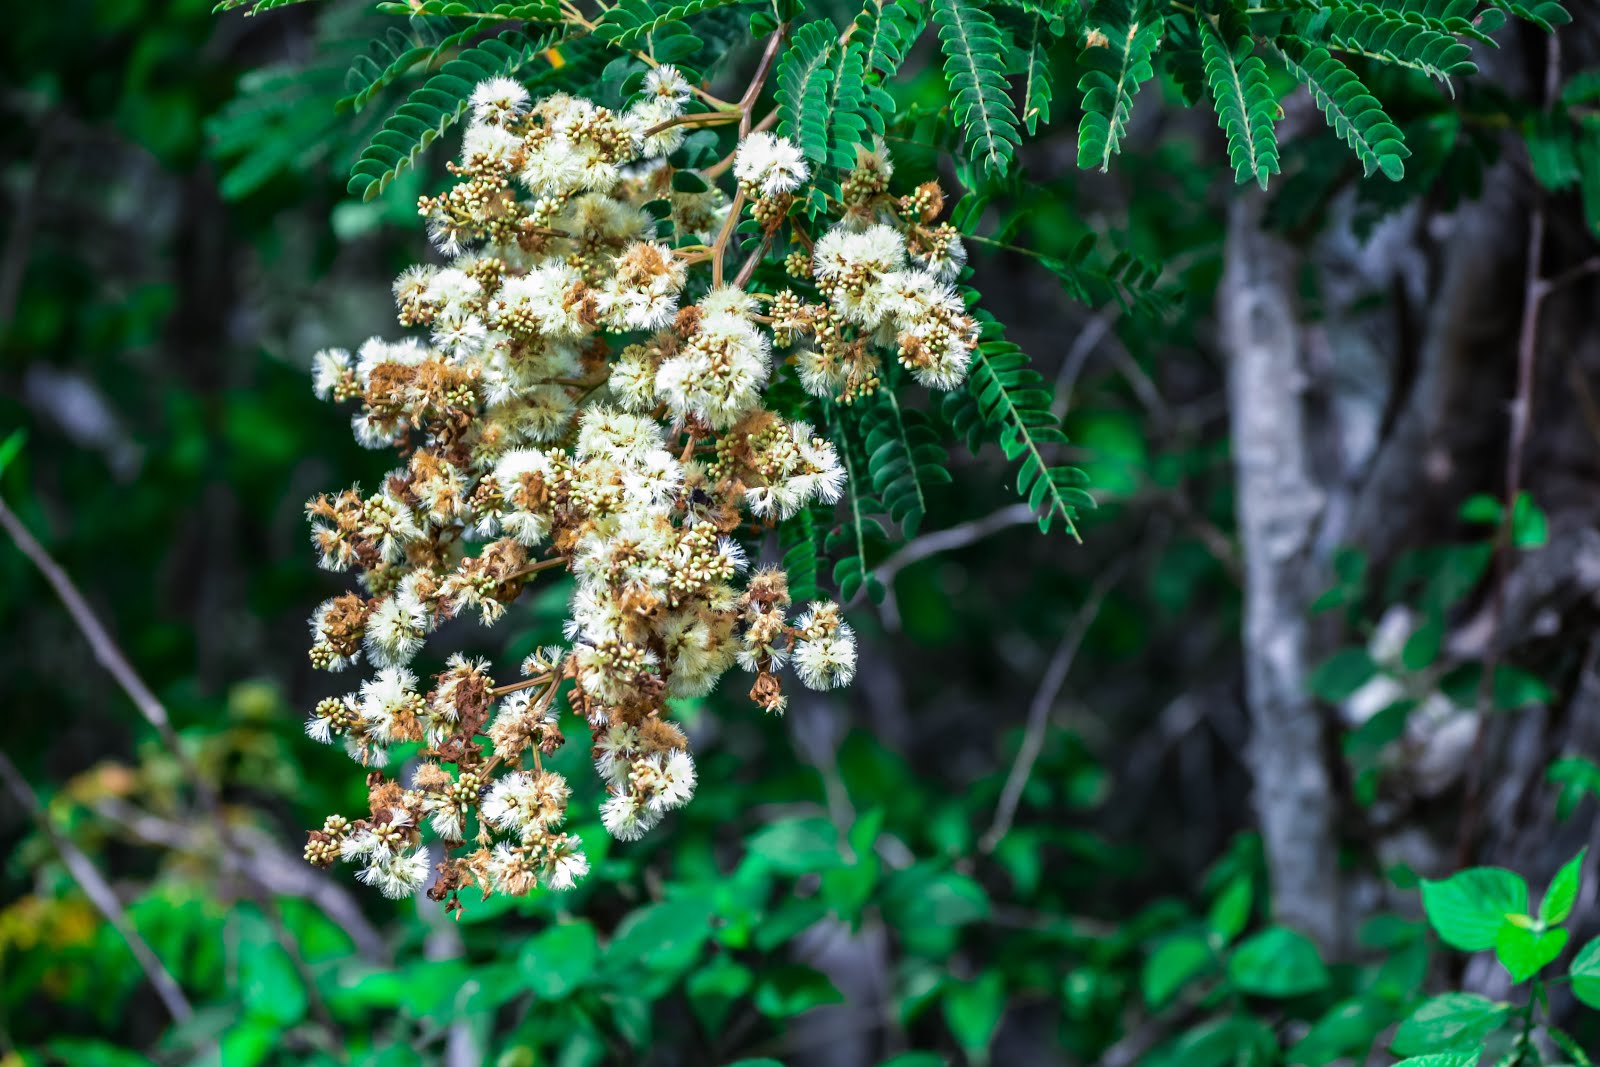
(1535, 288)
(262, 861)
(104, 648)
(932, 544)
(1055, 676)
(100, 894)
(958, 536)
(110, 656)
(747, 103)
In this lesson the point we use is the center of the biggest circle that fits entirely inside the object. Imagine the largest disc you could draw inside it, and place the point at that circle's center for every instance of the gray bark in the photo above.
(1279, 504)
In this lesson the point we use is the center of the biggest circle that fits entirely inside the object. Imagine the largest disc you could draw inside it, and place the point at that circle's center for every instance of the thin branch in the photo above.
(1055, 676)
(958, 536)
(110, 656)
(100, 894)
(719, 249)
(261, 860)
(104, 648)
(752, 262)
(698, 118)
(747, 103)
(1535, 288)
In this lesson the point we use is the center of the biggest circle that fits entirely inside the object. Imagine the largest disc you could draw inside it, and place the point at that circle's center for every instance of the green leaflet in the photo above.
(1127, 280)
(1352, 111)
(628, 22)
(1036, 89)
(848, 107)
(482, 10)
(974, 67)
(804, 74)
(1006, 400)
(256, 6)
(1245, 103)
(904, 458)
(860, 532)
(397, 53)
(437, 105)
(800, 539)
(884, 31)
(1405, 39)
(1116, 57)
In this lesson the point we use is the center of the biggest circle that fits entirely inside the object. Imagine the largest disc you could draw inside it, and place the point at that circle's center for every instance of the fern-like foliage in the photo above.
(482, 10)
(974, 67)
(1352, 111)
(1116, 59)
(256, 6)
(1008, 401)
(804, 74)
(1128, 280)
(1036, 89)
(1406, 39)
(904, 459)
(884, 30)
(1245, 103)
(629, 22)
(848, 107)
(859, 534)
(800, 540)
(398, 52)
(280, 122)
(438, 105)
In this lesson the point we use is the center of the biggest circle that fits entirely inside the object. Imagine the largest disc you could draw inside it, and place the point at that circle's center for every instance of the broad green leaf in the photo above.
(559, 960)
(1341, 674)
(785, 990)
(1447, 1020)
(803, 845)
(665, 936)
(1578, 777)
(1529, 527)
(1277, 962)
(1442, 1059)
(11, 447)
(1172, 965)
(1524, 952)
(1585, 972)
(1469, 908)
(972, 1010)
(1481, 508)
(1231, 911)
(1515, 688)
(1422, 647)
(1563, 892)
(1347, 1029)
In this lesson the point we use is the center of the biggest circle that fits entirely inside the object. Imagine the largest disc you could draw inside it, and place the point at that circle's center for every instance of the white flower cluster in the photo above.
(584, 401)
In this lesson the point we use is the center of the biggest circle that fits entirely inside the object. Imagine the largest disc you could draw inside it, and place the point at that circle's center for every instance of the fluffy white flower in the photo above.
(627, 818)
(827, 661)
(666, 82)
(328, 368)
(399, 876)
(719, 373)
(770, 165)
(543, 300)
(460, 334)
(565, 869)
(396, 631)
(388, 699)
(495, 144)
(498, 101)
(527, 803)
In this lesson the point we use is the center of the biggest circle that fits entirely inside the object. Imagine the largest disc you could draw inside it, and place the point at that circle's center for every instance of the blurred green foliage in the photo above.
(179, 238)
